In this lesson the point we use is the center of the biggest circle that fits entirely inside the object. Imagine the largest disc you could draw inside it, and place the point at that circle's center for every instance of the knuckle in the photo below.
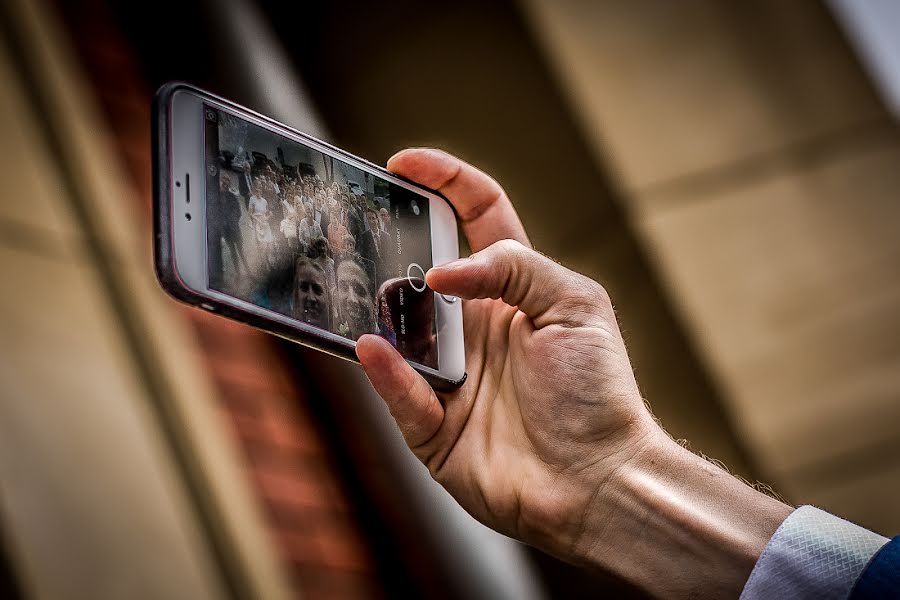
(508, 247)
(584, 296)
(598, 292)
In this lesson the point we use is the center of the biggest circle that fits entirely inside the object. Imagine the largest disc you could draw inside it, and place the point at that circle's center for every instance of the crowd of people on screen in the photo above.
(309, 248)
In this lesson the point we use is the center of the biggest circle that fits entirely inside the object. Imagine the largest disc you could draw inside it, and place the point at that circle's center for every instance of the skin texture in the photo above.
(549, 440)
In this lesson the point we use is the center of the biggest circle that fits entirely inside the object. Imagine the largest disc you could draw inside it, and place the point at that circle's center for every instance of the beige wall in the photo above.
(761, 171)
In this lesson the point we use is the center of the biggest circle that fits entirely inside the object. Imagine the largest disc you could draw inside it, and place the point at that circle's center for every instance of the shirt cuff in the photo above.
(813, 554)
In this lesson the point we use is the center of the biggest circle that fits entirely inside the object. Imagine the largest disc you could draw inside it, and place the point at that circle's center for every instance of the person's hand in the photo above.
(550, 400)
(549, 441)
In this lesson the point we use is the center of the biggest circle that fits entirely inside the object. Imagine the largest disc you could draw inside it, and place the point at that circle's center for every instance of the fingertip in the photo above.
(399, 160)
(372, 349)
(425, 165)
(398, 156)
(384, 366)
(456, 277)
(435, 279)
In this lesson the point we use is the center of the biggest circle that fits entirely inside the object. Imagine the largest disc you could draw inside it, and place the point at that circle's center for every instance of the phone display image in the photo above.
(294, 230)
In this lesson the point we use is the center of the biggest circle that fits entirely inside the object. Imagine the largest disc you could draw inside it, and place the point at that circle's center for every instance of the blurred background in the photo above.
(729, 170)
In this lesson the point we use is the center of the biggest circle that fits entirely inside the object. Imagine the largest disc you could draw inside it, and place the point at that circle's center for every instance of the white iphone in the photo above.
(266, 225)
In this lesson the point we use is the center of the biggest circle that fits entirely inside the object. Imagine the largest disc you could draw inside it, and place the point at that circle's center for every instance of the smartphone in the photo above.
(263, 224)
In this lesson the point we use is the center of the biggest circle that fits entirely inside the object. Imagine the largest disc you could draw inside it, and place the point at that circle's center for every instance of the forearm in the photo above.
(678, 526)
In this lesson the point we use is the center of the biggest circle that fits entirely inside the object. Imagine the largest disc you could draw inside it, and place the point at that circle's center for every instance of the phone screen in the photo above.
(312, 237)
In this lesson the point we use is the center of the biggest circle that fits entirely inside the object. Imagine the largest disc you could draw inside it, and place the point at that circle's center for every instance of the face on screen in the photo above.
(299, 232)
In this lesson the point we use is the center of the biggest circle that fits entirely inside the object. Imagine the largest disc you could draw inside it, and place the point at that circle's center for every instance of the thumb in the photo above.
(408, 396)
(538, 286)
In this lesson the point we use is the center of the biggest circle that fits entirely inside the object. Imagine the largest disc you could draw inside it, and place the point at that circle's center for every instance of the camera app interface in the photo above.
(294, 230)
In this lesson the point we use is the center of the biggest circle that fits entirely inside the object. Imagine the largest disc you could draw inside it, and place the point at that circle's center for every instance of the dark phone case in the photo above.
(163, 243)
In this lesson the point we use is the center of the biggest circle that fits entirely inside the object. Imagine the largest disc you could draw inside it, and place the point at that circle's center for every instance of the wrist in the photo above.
(676, 525)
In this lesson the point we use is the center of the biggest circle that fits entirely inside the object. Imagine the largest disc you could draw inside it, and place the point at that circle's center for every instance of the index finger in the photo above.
(485, 211)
